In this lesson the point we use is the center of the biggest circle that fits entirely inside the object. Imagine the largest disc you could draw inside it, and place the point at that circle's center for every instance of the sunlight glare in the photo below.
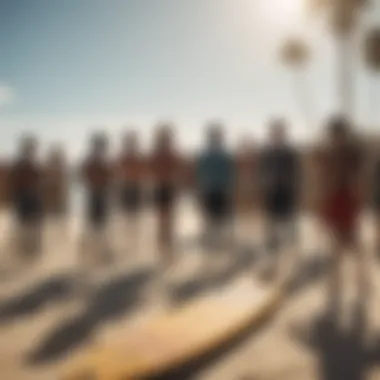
(283, 11)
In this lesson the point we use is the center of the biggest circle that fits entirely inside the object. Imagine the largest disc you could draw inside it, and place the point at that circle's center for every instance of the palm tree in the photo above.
(295, 55)
(343, 16)
(372, 59)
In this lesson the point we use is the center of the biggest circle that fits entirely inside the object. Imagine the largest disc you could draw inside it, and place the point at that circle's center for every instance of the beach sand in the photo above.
(52, 310)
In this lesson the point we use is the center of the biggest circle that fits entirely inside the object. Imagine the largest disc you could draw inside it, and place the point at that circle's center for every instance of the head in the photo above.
(164, 137)
(246, 146)
(28, 147)
(130, 142)
(338, 130)
(99, 145)
(56, 155)
(215, 136)
(278, 132)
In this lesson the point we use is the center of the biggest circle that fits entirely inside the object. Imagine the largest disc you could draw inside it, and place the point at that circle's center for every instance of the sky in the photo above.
(67, 67)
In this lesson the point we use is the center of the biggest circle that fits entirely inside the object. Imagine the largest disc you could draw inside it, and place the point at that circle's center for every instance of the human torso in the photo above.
(25, 177)
(164, 167)
(341, 169)
(279, 169)
(131, 169)
(215, 171)
(96, 174)
(245, 170)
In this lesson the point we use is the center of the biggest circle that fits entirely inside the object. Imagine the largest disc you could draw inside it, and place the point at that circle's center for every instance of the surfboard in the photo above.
(178, 336)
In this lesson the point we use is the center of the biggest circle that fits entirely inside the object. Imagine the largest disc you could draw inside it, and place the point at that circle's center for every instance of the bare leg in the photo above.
(29, 240)
(275, 246)
(209, 245)
(292, 237)
(377, 235)
(165, 235)
(84, 246)
(62, 222)
(36, 232)
(131, 232)
(334, 287)
(287, 255)
(363, 281)
(269, 263)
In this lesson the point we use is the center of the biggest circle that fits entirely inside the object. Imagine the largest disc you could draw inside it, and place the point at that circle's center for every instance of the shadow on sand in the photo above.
(50, 291)
(122, 295)
(342, 353)
(113, 301)
(245, 257)
(309, 273)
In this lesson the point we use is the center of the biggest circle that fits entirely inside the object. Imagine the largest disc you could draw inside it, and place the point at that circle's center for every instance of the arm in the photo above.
(261, 173)
(366, 175)
(298, 177)
(233, 173)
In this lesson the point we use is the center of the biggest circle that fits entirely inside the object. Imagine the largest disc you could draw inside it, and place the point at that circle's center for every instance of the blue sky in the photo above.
(68, 66)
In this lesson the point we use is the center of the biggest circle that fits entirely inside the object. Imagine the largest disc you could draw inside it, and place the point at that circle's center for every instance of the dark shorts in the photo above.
(217, 205)
(130, 198)
(58, 209)
(164, 196)
(97, 209)
(280, 204)
(28, 207)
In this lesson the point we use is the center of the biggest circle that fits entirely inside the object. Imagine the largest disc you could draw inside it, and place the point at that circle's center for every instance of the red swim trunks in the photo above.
(341, 211)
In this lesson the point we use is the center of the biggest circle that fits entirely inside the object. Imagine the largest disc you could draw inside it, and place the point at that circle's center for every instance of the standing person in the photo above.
(56, 184)
(97, 179)
(342, 169)
(130, 175)
(280, 188)
(215, 177)
(25, 183)
(165, 171)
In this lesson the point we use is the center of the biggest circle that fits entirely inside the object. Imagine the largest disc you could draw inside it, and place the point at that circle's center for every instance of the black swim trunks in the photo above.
(28, 206)
(280, 173)
(217, 205)
(24, 184)
(280, 204)
(130, 197)
(97, 208)
(164, 195)
(60, 209)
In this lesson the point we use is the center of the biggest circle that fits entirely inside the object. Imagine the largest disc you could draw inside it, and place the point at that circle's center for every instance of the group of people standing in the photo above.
(224, 183)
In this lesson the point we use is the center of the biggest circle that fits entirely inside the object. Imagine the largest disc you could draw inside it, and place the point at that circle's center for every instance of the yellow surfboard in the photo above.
(178, 336)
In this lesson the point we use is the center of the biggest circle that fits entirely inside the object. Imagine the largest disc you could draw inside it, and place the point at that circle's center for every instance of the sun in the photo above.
(283, 11)
(289, 7)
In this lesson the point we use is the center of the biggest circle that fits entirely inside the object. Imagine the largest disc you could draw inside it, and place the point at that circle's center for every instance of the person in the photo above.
(97, 179)
(130, 176)
(56, 183)
(25, 186)
(165, 173)
(343, 176)
(215, 177)
(280, 190)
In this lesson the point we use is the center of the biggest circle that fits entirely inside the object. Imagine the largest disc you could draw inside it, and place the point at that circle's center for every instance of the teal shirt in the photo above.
(215, 171)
